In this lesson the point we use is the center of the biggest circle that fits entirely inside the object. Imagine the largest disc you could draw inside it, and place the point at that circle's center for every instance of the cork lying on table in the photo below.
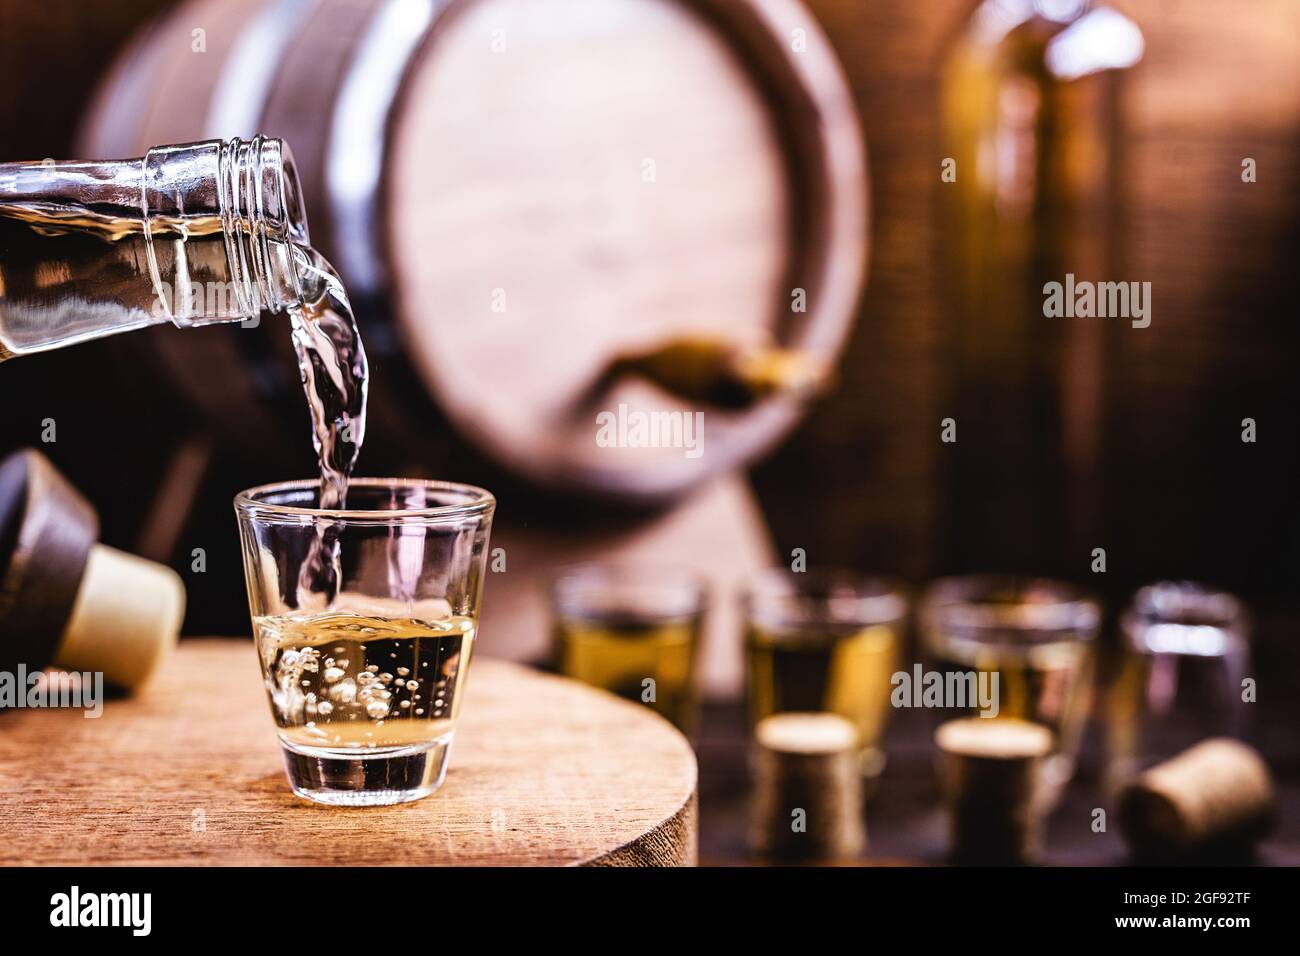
(544, 771)
(1217, 792)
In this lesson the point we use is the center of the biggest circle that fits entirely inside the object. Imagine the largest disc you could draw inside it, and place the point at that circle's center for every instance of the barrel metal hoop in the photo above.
(248, 73)
(358, 134)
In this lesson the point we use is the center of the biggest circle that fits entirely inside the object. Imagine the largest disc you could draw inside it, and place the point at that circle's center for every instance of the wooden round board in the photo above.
(545, 771)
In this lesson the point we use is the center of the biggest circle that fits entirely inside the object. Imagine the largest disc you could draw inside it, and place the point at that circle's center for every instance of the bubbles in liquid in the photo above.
(347, 701)
(344, 692)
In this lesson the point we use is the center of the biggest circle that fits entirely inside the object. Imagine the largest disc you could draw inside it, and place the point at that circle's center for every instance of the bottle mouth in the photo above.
(244, 194)
(264, 220)
(293, 201)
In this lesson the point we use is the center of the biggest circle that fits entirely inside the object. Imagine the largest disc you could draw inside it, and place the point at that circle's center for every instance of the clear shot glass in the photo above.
(1185, 657)
(1037, 635)
(364, 621)
(633, 630)
(825, 641)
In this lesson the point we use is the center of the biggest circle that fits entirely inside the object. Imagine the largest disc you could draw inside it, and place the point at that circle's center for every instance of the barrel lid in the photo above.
(572, 182)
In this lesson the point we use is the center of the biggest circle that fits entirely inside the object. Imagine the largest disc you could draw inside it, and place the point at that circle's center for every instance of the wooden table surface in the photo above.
(544, 771)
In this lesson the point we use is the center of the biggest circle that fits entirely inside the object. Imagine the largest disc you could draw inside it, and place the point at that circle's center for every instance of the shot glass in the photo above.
(1037, 636)
(364, 621)
(633, 630)
(824, 641)
(1184, 658)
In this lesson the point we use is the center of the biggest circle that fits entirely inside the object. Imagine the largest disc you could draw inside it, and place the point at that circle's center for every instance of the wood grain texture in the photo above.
(545, 771)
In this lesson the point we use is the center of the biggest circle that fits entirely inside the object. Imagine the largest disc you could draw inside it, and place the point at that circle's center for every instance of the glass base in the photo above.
(370, 778)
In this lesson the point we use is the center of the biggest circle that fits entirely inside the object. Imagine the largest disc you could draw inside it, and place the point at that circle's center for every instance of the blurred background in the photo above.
(861, 481)
(1073, 436)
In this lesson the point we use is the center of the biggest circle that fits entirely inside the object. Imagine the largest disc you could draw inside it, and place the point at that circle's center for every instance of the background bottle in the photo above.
(1031, 116)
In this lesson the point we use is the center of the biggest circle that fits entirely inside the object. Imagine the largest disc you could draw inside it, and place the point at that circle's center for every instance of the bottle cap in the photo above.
(66, 600)
(46, 532)
(125, 620)
(1217, 793)
(808, 798)
(992, 775)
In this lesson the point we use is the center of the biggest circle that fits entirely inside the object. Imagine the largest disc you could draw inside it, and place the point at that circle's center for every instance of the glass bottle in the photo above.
(190, 234)
(1032, 95)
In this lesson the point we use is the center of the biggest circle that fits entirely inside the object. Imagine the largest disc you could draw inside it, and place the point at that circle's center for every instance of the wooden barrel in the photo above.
(516, 192)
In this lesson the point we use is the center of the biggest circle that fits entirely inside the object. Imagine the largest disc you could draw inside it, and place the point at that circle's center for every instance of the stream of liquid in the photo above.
(335, 375)
(332, 362)
(72, 271)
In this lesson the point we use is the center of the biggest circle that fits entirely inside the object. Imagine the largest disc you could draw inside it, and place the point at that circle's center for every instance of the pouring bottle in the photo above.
(189, 234)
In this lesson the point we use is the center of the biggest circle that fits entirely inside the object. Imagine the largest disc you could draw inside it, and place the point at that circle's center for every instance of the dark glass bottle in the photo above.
(1031, 116)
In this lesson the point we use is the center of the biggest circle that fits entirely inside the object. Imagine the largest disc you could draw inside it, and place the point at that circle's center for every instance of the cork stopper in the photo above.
(46, 532)
(66, 600)
(993, 777)
(125, 620)
(807, 788)
(1217, 793)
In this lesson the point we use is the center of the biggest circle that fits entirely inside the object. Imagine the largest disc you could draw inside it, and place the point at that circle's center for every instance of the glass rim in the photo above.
(569, 584)
(969, 601)
(250, 502)
(1182, 604)
(860, 597)
(613, 567)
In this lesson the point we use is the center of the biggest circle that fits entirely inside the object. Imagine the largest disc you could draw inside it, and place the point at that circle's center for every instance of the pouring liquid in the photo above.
(335, 376)
(181, 237)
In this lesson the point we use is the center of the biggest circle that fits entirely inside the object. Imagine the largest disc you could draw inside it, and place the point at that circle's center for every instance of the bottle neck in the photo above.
(244, 193)
(193, 234)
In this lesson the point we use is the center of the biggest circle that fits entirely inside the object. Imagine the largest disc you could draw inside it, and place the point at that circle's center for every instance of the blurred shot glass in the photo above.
(364, 621)
(632, 630)
(824, 641)
(1184, 660)
(1037, 636)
